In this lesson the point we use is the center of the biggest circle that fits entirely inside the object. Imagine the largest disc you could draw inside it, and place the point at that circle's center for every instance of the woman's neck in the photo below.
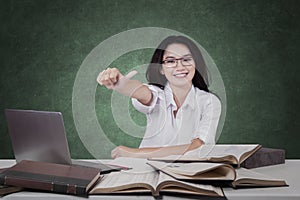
(180, 94)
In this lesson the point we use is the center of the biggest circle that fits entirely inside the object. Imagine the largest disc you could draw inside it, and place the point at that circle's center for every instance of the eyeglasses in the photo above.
(172, 62)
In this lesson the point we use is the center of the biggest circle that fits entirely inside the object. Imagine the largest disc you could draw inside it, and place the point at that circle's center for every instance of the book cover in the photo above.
(265, 157)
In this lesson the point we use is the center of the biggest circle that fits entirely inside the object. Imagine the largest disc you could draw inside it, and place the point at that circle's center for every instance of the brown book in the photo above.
(53, 177)
(5, 190)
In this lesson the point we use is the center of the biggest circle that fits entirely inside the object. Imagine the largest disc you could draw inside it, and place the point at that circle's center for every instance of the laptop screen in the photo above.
(38, 136)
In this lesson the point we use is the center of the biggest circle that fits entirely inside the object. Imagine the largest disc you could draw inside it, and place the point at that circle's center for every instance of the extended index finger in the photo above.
(99, 78)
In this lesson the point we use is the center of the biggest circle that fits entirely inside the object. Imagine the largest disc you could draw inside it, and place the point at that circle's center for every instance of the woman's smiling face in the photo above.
(178, 65)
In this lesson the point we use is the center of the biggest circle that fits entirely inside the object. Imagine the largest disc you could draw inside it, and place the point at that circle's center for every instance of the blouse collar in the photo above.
(189, 100)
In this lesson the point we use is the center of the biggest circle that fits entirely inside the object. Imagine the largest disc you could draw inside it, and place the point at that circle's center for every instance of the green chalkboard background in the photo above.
(254, 43)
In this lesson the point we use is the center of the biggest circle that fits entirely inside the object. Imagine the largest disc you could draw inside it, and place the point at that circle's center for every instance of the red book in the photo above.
(59, 178)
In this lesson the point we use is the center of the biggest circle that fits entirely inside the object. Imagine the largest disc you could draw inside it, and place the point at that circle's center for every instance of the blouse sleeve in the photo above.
(144, 108)
(206, 127)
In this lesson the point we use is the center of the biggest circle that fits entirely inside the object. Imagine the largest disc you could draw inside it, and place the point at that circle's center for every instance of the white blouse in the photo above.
(198, 117)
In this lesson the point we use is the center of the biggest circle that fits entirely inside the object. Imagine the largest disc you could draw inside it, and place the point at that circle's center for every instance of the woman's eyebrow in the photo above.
(186, 55)
(169, 57)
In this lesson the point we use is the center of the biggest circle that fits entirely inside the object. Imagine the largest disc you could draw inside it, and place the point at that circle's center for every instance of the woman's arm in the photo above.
(122, 151)
(111, 78)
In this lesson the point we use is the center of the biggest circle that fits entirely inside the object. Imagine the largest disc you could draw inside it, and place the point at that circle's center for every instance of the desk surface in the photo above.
(287, 171)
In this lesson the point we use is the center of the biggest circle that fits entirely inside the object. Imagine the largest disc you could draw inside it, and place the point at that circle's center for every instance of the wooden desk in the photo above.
(288, 171)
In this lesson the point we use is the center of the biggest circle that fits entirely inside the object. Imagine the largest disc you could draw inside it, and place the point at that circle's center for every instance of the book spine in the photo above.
(69, 189)
(43, 185)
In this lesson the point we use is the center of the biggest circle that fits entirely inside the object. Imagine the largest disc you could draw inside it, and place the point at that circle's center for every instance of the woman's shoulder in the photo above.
(155, 88)
(208, 96)
(200, 92)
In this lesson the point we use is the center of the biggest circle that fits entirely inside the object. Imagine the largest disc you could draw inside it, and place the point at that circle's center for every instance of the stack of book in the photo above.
(204, 171)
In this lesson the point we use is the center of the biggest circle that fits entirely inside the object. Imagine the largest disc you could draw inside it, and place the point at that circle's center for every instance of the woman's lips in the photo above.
(181, 75)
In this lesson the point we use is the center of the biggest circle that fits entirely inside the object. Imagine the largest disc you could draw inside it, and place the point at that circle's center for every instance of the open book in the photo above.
(233, 154)
(249, 178)
(216, 172)
(199, 171)
(153, 182)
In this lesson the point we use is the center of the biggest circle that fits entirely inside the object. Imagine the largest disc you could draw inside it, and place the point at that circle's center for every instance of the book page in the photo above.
(215, 153)
(220, 150)
(137, 164)
(121, 180)
(243, 173)
(196, 171)
(246, 177)
(167, 183)
(189, 169)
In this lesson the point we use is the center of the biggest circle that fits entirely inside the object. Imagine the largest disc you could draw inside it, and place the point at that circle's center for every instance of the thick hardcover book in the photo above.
(58, 178)
(265, 157)
(4, 190)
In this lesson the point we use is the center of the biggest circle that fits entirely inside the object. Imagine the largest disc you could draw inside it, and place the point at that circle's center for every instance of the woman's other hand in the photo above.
(122, 151)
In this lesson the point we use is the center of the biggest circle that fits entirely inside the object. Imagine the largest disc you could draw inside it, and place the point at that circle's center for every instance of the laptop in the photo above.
(40, 136)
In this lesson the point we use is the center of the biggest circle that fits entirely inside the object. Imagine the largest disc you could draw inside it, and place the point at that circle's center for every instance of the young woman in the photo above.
(181, 113)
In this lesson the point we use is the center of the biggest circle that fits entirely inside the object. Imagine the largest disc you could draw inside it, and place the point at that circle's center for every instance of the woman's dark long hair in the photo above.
(153, 75)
